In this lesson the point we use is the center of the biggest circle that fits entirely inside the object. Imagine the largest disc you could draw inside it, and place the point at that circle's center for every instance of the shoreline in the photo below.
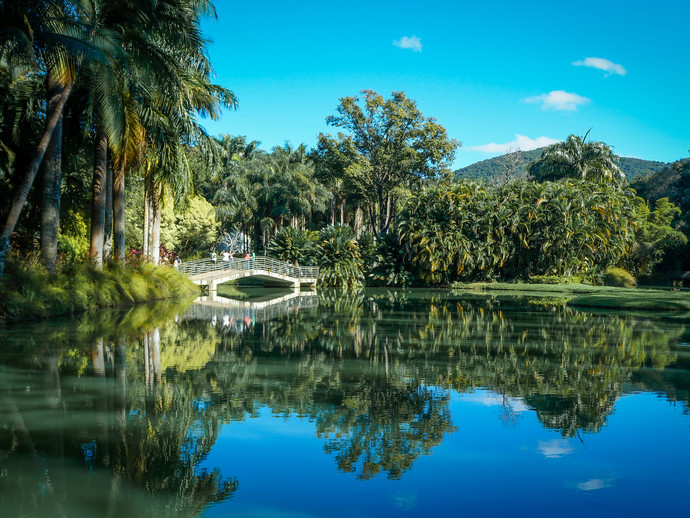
(28, 294)
(587, 296)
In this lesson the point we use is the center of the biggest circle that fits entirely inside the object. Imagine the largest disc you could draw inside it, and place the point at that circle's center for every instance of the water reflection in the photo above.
(129, 405)
(88, 430)
(236, 315)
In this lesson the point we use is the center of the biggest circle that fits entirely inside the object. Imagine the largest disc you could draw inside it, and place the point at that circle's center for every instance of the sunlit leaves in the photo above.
(472, 231)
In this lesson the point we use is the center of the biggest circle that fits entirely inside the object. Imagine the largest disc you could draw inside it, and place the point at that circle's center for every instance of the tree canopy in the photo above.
(389, 146)
(578, 159)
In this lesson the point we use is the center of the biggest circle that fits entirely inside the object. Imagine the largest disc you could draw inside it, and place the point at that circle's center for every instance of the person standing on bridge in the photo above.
(226, 259)
(214, 258)
(253, 256)
(246, 260)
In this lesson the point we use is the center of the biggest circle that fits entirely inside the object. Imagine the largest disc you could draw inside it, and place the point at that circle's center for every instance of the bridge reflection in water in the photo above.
(240, 314)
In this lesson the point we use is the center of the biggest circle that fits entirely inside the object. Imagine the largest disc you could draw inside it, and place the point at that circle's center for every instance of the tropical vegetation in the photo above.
(121, 82)
(100, 100)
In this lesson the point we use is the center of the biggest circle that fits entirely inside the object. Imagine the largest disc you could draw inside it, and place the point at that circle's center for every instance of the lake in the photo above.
(364, 403)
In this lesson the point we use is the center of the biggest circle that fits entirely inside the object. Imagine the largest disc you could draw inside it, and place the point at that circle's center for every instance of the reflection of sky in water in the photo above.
(481, 453)
(484, 468)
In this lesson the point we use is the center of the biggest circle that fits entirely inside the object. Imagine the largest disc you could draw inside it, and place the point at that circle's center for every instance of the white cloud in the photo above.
(558, 100)
(521, 143)
(602, 64)
(554, 449)
(595, 483)
(412, 42)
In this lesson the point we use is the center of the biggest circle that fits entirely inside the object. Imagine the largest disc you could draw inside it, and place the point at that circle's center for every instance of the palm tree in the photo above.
(57, 38)
(163, 82)
(579, 159)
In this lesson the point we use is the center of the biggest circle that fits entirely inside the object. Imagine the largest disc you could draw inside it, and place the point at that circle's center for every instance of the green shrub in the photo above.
(293, 244)
(557, 279)
(619, 277)
(340, 263)
(390, 268)
(28, 292)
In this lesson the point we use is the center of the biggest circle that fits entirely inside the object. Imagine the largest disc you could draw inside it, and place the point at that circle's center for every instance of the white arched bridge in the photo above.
(272, 272)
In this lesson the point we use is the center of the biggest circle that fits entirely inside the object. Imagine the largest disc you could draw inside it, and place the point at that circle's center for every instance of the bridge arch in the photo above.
(273, 272)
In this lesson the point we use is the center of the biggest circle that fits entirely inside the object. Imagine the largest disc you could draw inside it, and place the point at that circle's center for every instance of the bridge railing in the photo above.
(261, 262)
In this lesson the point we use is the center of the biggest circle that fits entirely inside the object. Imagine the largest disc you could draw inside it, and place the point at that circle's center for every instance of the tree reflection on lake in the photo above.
(128, 405)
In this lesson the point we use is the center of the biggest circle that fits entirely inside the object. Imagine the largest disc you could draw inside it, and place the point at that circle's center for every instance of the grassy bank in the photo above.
(605, 297)
(29, 293)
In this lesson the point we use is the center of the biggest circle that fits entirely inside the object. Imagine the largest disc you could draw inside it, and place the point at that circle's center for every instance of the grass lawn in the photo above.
(605, 297)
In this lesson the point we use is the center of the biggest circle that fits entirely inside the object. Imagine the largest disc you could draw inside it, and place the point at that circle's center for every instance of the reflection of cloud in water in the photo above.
(554, 449)
(595, 483)
(487, 398)
(405, 501)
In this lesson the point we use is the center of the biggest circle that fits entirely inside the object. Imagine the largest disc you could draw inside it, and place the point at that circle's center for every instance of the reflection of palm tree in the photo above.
(142, 463)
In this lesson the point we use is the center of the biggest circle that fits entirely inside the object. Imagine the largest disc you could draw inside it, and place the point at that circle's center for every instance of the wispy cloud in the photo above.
(559, 100)
(411, 42)
(554, 449)
(594, 484)
(521, 143)
(602, 64)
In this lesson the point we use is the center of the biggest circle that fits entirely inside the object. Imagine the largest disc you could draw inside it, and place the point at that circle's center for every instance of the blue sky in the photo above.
(498, 75)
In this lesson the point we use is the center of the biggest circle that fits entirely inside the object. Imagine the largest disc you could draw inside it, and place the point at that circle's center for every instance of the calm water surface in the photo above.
(372, 403)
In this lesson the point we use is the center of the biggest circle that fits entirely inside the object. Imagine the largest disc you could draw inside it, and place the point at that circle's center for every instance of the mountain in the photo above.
(672, 182)
(517, 163)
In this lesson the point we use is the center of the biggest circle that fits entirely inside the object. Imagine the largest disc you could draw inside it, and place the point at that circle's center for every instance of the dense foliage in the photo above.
(294, 245)
(470, 231)
(94, 93)
(389, 146)
(339, 258)
(113, 88)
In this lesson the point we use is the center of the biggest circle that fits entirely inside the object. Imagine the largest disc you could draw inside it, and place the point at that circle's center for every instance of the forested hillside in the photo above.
(515, 164)
(672, 182)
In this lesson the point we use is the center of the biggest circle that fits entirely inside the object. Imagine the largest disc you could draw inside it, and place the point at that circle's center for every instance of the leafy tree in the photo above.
(389, 146)
(654, 235)
(196, 227)
(578, 159)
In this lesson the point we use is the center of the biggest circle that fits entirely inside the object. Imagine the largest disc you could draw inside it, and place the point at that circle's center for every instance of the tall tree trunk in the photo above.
(156, 224)
(146, 239)
(108, 226)
(52, 179)
(119, 212)
(359, 221)
(100, 166)
(257, 235)
(372, 220)
(52, 119)
(384, 214)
